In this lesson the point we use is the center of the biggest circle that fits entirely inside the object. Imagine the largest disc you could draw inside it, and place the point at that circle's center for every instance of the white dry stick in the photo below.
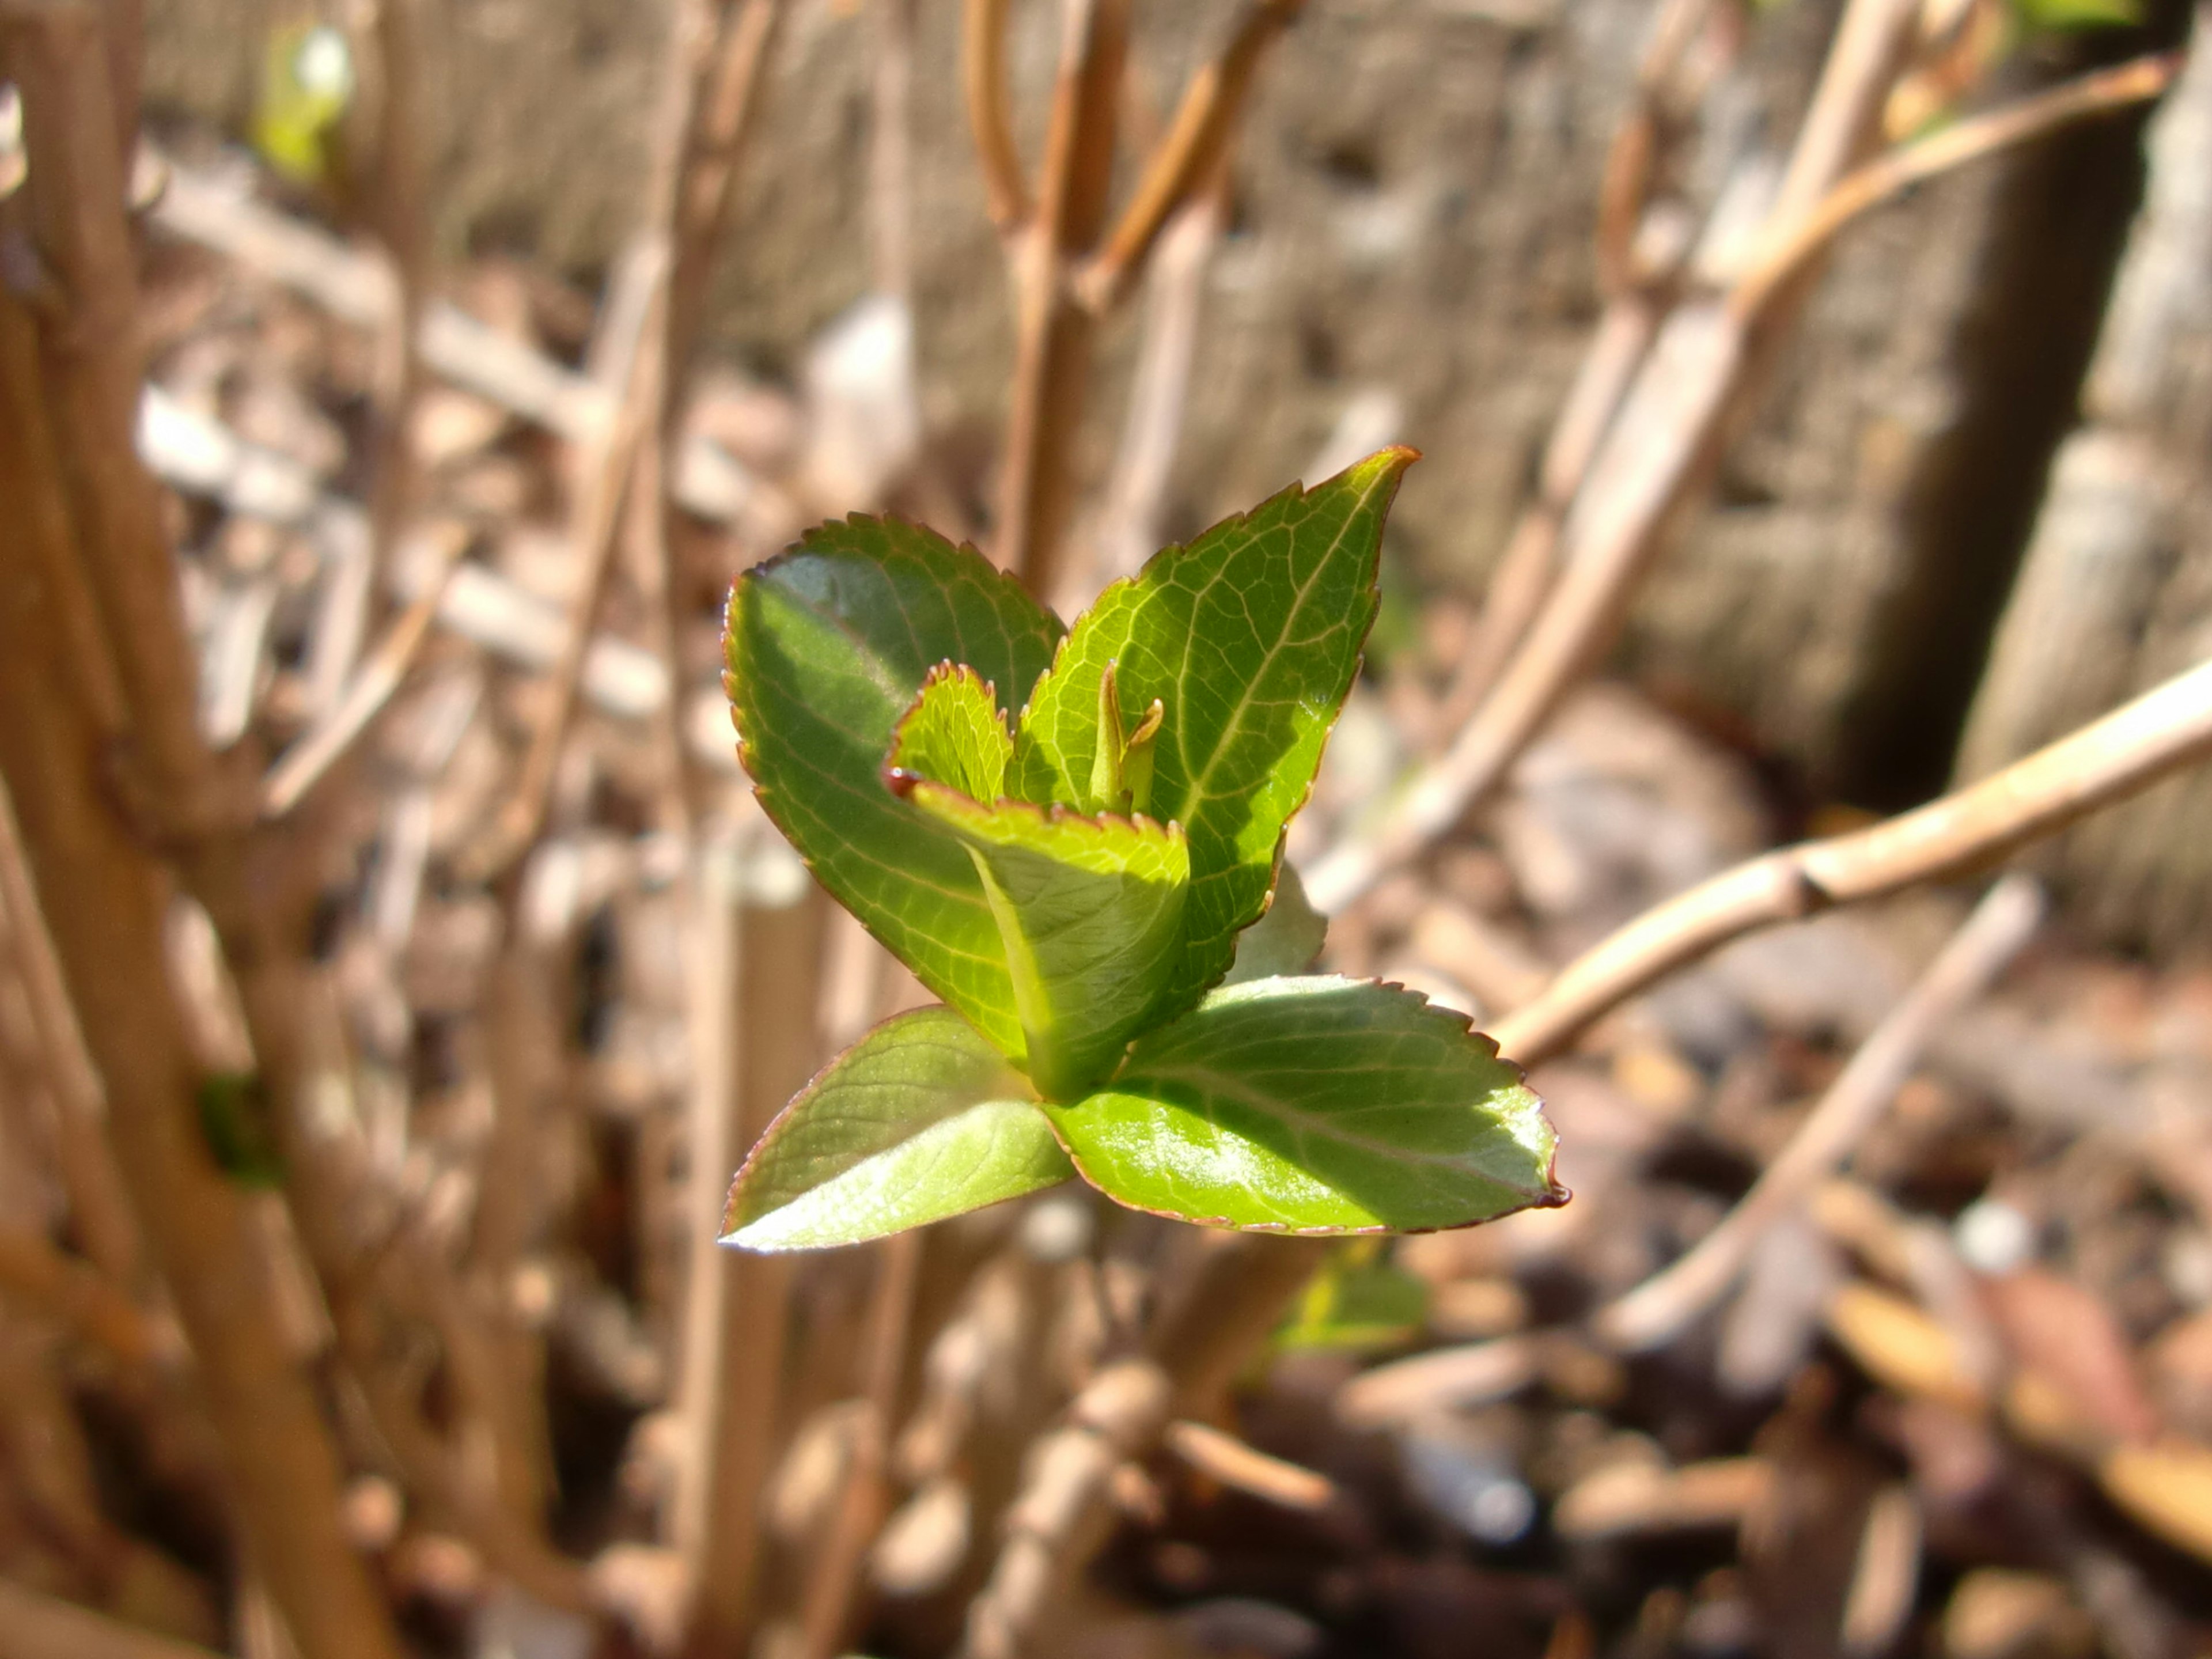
(2105, 761)
(1659, 1310)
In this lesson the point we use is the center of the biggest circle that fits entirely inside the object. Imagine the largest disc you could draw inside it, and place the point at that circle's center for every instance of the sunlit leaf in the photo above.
(1090, 912)
(1316, 1105)
(1250, 638)
(954, 735)
(828, 647)
(920, 1119)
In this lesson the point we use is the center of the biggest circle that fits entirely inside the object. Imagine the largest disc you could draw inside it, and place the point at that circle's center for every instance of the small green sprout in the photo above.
(1074, 837)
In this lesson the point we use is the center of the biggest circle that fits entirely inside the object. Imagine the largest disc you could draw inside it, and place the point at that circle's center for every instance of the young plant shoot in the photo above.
(1074, 836)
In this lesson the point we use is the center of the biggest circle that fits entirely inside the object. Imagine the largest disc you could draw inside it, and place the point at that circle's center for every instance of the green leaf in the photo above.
(954, 735)
(1090, 911)
(828, 647)
(1284, 941)
(1250, 637)
(1316, 1105)
(1361, 1301)
(920, 1119)
(2060, 17)
(240, 1134)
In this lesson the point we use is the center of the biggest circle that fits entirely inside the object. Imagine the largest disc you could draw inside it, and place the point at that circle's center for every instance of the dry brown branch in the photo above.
(92, 874)
(890, 150)
(727, 106)
(309, 760)
(44, 1627)
(597, 517)
(1127, 531)
(1052, 332)
(99, 1209)
(1194, 1349)
(1193, 149)
(1669, 438)
(1660, 1308)
(1530, 564)
(1792, 244)
(758, 976)
(402, 217)
(79, 1296)
(983, 76)
(830, 1612)
(2105, 761)
(1639, 283)
(1222, 1455)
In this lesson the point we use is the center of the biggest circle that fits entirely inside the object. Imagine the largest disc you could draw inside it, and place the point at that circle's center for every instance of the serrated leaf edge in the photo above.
(1552, 1198)
(779, 1125)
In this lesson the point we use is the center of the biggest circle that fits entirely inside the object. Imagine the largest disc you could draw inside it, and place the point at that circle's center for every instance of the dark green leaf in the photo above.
(1250, 637)
(828, 646)
(1286, 939)
(920, 1119)
(235, 1120)
(1316, 1105)
(1090, 911)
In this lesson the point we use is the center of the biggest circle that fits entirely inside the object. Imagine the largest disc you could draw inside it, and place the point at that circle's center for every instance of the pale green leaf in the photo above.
(920, 1119)
(954, 735)
(1360, 1302)
(1090, 911)
(828, 647)
(1250, 638)
(1316, 1105)
(1284, 941)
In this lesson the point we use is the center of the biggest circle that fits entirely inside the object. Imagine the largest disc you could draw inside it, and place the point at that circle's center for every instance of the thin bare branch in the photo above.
(100, 1208)
(308, 760)
(46, 1627)
(598, 515)
(1665, 443)
(830, 1612)
(79, 1296)
(1794, 243)
(1193, 1348)
(1635, 159)
(1191, 152)
(983, 74)
(98, 884)
(1222, 1455)
(2106, 761)
(1664, 1306)
(1052, 333)
(1127, 532)
(728, 107)
(403, 225)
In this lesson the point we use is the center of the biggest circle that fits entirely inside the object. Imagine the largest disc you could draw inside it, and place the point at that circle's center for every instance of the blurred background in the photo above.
(394, 965)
